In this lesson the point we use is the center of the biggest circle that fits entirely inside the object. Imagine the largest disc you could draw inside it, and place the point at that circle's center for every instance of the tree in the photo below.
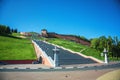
(12, 30)
(15, 31)
(8, 30)
(111, 44)
(102, 43)
(116, 47)
(4, 29)
(95, 43)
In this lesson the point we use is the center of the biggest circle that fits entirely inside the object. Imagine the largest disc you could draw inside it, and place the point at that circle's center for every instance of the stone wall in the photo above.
(69, 37)
(46, 34)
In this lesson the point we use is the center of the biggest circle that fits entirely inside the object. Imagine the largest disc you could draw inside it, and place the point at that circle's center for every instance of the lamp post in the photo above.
(105, 54)
(55, 50)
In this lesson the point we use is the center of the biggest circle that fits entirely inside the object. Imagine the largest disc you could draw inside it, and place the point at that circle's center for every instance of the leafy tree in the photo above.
(4, 29)
(15, 30)
(8, 30)
(102, 43)
(112, 45)
(12, 30)
(109, 45)
(95, 43)
(116, 47)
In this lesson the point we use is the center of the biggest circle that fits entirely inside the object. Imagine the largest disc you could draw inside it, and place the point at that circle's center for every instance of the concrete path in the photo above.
(66, 75)
(35, 72)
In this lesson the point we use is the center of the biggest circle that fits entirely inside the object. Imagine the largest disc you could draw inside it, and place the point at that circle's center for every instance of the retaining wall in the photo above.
(17, 61)
(46, 60)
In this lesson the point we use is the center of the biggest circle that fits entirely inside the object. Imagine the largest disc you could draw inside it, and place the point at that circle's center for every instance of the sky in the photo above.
(88, 18)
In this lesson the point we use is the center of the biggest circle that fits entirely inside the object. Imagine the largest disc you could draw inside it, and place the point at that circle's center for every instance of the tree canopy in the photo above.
(6, 29)
(111, 44)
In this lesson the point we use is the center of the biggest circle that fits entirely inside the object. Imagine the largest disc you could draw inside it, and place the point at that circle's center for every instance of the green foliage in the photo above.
(102, 43)
(116, 48)
(112, 45)
(4, 29)
(67, 44)
(15, 30)
(14, 48)
(16, 34)
(95, 43)
(109, 43)
(93, 52)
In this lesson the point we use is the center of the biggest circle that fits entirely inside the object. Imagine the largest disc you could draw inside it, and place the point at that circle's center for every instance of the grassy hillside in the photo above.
(67, 44)
(76, 47)
(13, 48)
(16, 34)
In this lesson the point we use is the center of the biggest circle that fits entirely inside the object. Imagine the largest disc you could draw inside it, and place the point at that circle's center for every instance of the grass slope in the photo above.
(13, 48)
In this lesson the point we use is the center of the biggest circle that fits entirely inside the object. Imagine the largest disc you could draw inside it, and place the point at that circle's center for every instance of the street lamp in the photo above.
(55, 50)
(105, 54)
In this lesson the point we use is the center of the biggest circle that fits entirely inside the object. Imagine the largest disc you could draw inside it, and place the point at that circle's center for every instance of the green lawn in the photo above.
(16, 34)
(13, 48)
(67, 44)
(93, 52)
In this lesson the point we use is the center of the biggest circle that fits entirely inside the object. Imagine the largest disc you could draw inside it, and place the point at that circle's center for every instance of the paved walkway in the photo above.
(66, 75)
(35, 71)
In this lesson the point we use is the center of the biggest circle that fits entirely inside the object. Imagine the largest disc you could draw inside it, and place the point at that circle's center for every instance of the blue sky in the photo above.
(89, 18)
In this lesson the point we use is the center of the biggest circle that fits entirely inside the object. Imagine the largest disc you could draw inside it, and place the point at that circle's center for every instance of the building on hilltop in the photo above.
(25, 33)
(44, 33)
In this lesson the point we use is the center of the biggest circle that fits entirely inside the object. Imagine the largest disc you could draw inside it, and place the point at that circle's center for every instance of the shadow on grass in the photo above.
(9, 35)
